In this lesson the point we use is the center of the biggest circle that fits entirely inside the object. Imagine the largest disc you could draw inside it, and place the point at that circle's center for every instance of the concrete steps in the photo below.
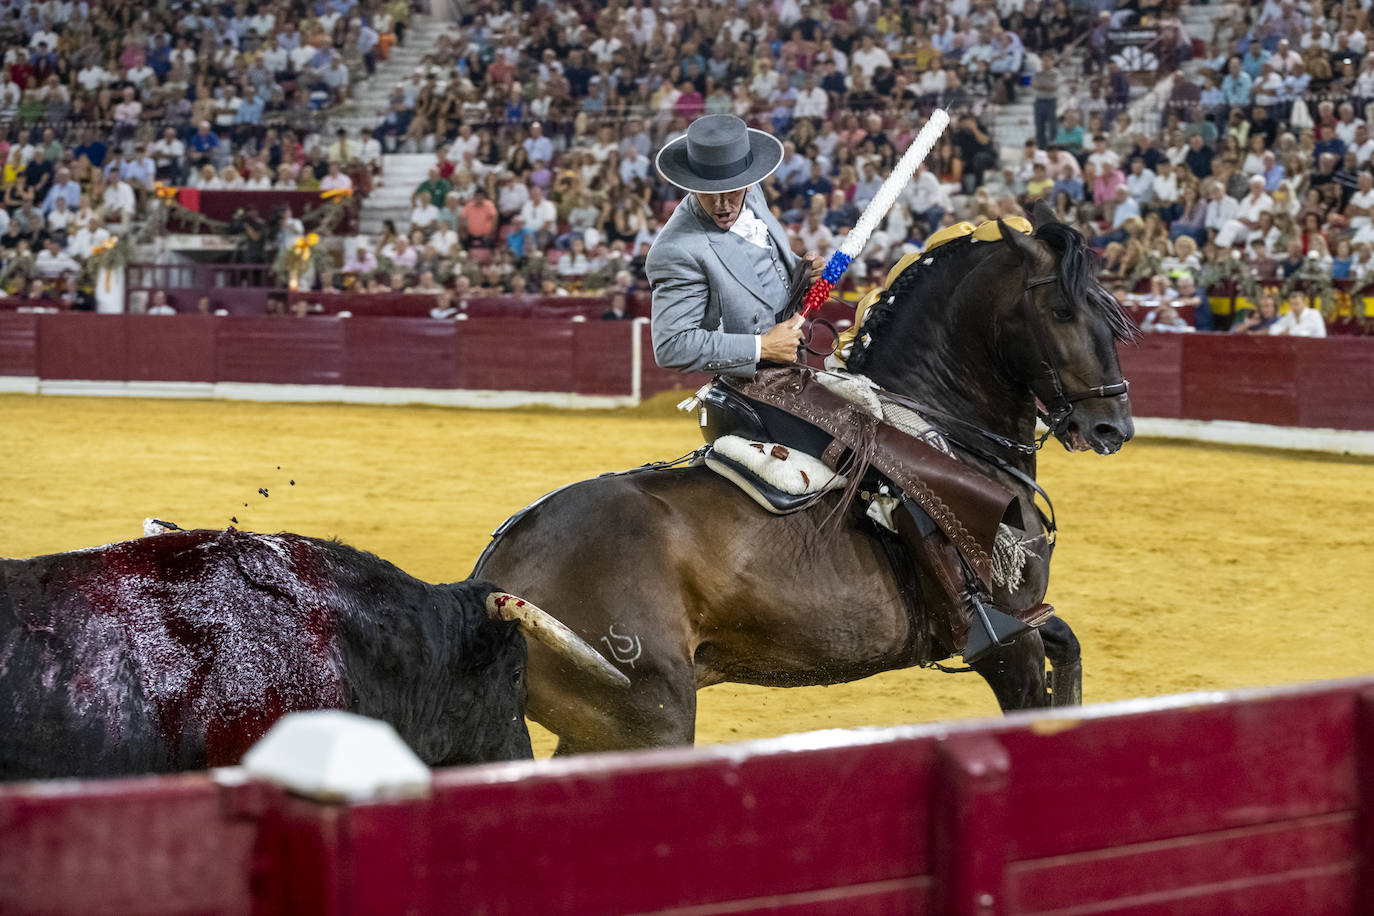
(401, 172)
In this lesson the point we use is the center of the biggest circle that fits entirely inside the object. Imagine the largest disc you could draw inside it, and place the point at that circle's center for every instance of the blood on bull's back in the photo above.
(178, 651)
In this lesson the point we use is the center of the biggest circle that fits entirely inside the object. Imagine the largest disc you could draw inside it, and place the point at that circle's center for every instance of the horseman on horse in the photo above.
(932, 424)
(724, 287)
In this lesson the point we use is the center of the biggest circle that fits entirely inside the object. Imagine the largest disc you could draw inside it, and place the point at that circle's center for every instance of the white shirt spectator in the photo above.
(512, 197)
(335, 182)
(276, 59)
(812, 103)
(1346, 130)
(472, 143)
(573, 265)
(1363, 200)
(424, 216)
(1166, 188)
(820, 239)
(1142, 186)
(539, 217)
(1309, 325)
(1105, 161)
(165, 151)
(406, 258)
(632, 168)
(50, 265)
(870, 60)
(444, 240)
(139, 75)
(119, 196)
(1220, 211)
(93, 77)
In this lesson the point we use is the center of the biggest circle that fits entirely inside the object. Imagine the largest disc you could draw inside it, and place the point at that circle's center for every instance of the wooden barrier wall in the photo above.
(1277, 381)
(1254, 803)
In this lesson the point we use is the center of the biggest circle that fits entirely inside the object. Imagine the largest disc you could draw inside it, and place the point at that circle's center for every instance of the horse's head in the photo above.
(1059, 337)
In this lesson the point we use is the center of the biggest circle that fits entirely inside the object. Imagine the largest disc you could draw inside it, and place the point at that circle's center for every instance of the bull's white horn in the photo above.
(554, 634)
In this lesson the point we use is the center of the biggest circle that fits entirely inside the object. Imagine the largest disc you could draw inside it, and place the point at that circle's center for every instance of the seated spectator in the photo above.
(1164, 319)
(1301, 321)
(618, 309)
(363, 262)
(159, 305)
(335, 179)
(52, 261)
(1257, 320)
(574, 262)
(423, 215)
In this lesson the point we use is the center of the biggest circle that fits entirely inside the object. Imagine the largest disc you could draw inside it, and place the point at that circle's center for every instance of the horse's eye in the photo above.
(1062, 314)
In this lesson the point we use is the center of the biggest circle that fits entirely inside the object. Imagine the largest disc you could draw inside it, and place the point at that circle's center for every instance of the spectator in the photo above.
(160, 305)
(1300, 321)
(1260, 320)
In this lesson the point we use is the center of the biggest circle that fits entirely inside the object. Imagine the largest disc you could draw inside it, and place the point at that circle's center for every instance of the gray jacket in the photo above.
(714, 293)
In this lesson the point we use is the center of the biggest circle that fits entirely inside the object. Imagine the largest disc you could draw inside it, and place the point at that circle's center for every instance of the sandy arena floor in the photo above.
(1180, 567)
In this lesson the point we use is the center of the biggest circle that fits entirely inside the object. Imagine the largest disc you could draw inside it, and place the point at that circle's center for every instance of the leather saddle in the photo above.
(949, 513)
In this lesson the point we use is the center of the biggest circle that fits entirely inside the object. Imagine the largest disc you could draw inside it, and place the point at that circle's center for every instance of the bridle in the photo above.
(1056, 410)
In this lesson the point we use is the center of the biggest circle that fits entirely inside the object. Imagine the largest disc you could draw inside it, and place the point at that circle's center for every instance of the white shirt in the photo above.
(424, 216)
(120, 196)
(1361, 200)
(540, 216)
(335, 182)
(812, 103)
(92, 78)
(1166, 188)
(871, 60)
(750, 228)
(1346, 130)
(52, 265)
(1219, 211)
(1251, 207)
(1309, 325)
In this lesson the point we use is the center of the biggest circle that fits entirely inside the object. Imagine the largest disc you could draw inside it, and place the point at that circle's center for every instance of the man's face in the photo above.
(724, 208)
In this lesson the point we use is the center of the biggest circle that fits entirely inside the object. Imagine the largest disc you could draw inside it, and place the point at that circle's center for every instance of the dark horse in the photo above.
(685, 582)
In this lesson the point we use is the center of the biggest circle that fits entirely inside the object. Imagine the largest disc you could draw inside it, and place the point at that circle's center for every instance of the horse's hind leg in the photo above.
(1061, 648)
(1016, 673)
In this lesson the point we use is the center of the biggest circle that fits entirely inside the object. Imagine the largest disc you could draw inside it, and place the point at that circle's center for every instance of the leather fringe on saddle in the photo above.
(965, 505)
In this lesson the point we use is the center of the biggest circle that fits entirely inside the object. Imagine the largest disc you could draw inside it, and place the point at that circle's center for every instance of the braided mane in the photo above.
(947, 264)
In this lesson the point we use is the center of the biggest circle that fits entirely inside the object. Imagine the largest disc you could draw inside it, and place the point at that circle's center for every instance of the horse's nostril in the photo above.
(1108, 431)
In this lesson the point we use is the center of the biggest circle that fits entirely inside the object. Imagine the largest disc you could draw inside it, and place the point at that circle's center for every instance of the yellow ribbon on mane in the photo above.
(988, 231)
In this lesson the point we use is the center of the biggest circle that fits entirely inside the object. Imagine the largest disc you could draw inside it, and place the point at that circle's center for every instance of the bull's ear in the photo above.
(1022, 244)
(1043, 214)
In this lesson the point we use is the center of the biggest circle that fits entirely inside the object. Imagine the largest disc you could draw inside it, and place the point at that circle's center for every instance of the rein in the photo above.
(1057, 410)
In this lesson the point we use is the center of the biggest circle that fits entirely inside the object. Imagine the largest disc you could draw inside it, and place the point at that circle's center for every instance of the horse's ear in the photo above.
(1042, 214)
(1022, 244)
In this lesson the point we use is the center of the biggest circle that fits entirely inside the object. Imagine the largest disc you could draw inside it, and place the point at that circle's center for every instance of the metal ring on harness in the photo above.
(811, 332)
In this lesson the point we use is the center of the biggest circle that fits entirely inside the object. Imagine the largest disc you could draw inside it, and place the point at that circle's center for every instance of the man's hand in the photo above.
(780, 343)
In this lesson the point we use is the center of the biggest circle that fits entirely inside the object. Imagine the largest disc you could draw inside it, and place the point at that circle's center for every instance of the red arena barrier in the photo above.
(1284, 382)
(1147, 806)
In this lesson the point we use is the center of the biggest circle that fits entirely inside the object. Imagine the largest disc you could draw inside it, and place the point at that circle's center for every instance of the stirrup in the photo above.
(988, 629)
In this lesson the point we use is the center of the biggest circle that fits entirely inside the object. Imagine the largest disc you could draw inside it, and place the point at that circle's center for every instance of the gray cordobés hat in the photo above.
(719, 153)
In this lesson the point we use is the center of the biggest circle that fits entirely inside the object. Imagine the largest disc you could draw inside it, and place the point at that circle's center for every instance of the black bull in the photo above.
(179, 651)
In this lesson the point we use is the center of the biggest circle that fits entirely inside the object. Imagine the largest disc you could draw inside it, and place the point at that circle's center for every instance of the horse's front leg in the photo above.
(1016, 673)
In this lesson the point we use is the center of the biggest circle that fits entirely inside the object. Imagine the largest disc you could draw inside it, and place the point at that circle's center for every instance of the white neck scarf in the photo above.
(750, 228)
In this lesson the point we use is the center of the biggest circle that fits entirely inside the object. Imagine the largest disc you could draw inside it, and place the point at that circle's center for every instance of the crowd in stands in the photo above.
(546, 119)
(1256, 173)
(100, 101)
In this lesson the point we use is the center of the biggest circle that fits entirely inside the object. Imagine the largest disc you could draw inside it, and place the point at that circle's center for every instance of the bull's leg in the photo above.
(1066, 677)
(1016, 673)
